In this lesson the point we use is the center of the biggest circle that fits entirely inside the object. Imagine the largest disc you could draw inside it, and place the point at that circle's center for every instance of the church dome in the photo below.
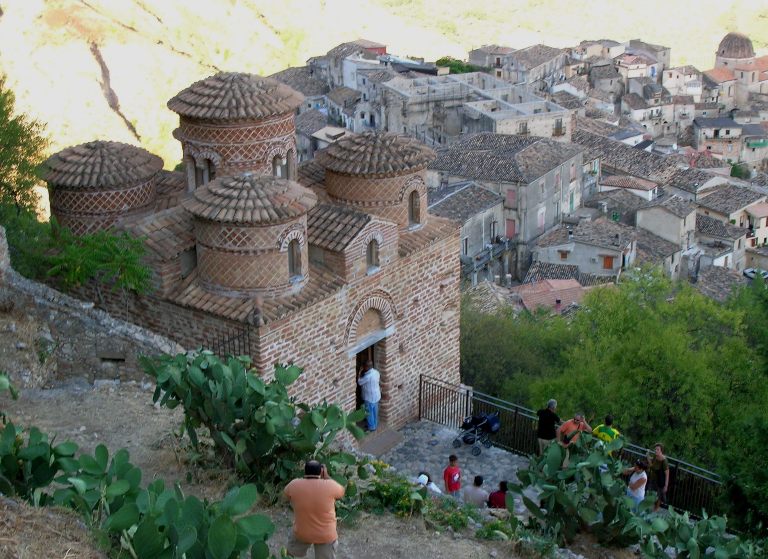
(376, 154)
(736, 45)
(235, 96)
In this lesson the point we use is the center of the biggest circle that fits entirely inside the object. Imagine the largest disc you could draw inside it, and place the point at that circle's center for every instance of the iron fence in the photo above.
(236, 341)
(691, 487)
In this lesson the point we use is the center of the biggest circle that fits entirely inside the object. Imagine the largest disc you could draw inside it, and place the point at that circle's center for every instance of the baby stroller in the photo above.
(476, 430)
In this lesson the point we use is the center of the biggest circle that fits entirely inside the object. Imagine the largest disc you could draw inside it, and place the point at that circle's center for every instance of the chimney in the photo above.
(558, 306)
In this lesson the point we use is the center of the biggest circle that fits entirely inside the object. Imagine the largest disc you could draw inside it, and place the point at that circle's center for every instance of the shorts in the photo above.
(297, 548)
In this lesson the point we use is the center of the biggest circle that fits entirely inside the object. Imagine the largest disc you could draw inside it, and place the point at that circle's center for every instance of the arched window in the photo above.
(210, 170)
(280, 167)
(414, 209)
(294, 259)
(372, 256)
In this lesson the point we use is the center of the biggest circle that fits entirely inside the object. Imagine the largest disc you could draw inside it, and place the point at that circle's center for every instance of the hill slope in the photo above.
(105, 69)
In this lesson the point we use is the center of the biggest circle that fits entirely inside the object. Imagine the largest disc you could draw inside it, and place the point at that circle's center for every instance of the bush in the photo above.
(256, 425)
(458, 66)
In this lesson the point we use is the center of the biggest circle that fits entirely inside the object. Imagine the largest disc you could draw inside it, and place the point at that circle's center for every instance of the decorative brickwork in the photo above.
(93, 185)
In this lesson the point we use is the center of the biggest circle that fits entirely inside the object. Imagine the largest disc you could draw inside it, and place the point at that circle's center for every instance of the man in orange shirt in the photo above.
(569, 432)
(313, 498)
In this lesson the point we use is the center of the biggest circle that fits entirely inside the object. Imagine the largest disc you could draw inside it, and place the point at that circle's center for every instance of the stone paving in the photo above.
(426, 447)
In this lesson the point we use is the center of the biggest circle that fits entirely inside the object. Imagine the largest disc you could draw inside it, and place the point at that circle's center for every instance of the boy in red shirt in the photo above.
(452, 476)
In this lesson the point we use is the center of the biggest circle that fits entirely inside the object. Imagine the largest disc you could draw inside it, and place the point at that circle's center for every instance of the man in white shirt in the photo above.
(475, 494)
(369, 385)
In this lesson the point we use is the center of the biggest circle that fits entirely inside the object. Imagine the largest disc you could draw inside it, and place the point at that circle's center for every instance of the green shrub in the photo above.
(393, 494)
(448, 513)
(458, 66)
(256, 425)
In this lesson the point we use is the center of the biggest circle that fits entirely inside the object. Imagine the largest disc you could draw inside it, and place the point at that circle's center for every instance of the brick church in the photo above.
(325, 265)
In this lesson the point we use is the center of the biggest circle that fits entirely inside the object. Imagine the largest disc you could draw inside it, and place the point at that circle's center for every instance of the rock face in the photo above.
(47, 337)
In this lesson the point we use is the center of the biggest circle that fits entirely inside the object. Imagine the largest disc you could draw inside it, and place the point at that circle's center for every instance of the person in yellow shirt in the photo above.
(606, 432)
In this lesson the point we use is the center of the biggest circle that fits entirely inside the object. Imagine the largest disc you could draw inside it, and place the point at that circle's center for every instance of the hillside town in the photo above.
(332, 216)
(568, 164)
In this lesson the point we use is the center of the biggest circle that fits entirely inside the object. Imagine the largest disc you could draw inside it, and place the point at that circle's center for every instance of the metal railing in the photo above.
(691, 488)
(236, 341)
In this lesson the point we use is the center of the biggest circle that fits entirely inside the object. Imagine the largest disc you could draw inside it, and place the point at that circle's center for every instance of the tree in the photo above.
(22, 150)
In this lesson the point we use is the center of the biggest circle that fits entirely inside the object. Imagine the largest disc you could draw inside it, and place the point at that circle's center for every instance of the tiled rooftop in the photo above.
(730, 198)
(546, 293)
(378, 76)
(311, 121)
(689, 180)
(544, 270)
(567, 100)
(302, 80)
(626, 159)
(712, 227)
(652, 249)
(535, 55)
(496, 49)
(235, 96)
(673, 204)
(333, 227)
(250, 199)
(167, 233)
(601, 233)
(604, 72)
(100, 164)
(433, 230)
(311, 174)
(579, 82)
(171, 187)
(720, 75)
(634, 101)
(460, 202)
(502, 157)
(375, 153)
(343, 94)
(718, 283)
(625, 181)
(758, 210)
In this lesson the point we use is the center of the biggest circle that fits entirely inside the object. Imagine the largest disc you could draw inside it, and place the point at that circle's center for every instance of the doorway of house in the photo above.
(362, 357)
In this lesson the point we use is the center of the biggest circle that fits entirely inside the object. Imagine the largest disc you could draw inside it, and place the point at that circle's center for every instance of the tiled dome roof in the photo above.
(736, 45)
(234, 96)
(99, 164)
(375, 153)
(250, 199)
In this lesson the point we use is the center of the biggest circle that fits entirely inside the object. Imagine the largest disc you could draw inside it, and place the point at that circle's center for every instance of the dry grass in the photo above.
(30, 533)
(154, 48)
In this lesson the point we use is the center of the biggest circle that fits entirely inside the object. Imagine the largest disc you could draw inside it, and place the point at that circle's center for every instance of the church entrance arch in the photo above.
(369, 331)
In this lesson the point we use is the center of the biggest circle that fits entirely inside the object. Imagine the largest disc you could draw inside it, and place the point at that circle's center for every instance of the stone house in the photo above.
(631, 66)
(645, 189)
(342, 104)
(683, 80)
(746, 73)
(730, 204)
(671, 218)
(754, 143)
(720, 86)
(720, 244)
(721, 136)
(607, 79)
(540, 66)
(480, 212)
(350, 268)
(540, 179)
(659, 53)
(653, 250)
(303, 79)
(496, 58)
(758, 224)
(602, 247)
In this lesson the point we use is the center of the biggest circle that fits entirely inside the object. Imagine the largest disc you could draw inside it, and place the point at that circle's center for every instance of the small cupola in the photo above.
(92, 185)
(251, 235)
(379, 173)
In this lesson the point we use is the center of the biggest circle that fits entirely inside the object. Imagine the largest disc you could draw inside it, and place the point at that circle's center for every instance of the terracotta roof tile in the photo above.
(503, 157)
(436, 229)
(602, 233)
(167, 233)
(302, 80)
(626, 181)
(342, 95)
(235, 96)
(250, 199)
(171, 187)
(652, 249)
(311, 174)
(310, 122)
(673, 204)
(544, 270)
(717, 282)
(462, 201)
(375, 154)
(712, 227)
(546, 293)
(100, 164)
(730, 198)
(333, 227)
(720, 75)
(535, 55)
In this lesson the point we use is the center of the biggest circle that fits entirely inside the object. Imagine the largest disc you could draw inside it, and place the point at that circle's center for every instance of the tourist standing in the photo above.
(475, 494)
(452, 476)
(546, 431)
(606, 432)
(569, 432)
(659, 475)
(313, 498)
(638, 479)
(368, 379)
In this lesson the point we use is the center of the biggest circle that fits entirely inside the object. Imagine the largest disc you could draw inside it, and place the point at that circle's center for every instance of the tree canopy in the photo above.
(22, 150)
(670, 365)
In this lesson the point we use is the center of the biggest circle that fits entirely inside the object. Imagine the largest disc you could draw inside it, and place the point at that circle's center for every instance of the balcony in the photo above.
(490, 252)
